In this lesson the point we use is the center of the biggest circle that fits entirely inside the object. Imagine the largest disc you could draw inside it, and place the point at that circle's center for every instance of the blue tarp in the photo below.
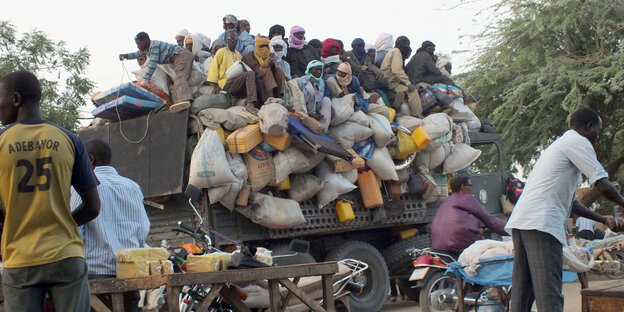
(129, 89)
(496, 271)
(127, 106)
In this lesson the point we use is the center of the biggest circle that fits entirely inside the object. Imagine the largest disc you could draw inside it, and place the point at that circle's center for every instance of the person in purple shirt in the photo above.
(457, 223)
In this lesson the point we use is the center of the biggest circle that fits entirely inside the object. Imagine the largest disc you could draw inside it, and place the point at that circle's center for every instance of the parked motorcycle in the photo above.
(439, 288)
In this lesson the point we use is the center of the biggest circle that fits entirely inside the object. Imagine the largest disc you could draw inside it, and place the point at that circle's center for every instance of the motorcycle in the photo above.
(438, 288)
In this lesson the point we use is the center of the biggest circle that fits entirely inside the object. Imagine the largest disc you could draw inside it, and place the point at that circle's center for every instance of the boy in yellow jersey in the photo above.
(42, 251)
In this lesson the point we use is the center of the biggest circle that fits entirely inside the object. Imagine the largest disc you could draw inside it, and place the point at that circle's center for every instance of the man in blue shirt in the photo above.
(159, 52)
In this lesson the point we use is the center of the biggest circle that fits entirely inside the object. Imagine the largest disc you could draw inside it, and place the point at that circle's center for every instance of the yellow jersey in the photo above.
(39, 162)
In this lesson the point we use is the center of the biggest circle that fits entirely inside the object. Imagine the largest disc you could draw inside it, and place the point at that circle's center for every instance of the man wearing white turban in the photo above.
(179, 37)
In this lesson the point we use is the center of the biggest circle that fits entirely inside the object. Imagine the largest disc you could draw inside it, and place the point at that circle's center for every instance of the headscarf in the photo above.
(183, 33)
(328, 44)
(312, 64)
(217, 43)
(316, 43)
(262, 54)
(275, 28)
(384, 42)
(196, 44)
(232, 19)
(424, 45)
(346, 80)
(278, 40)
(370, 46)
(295, 43)
(359, 51)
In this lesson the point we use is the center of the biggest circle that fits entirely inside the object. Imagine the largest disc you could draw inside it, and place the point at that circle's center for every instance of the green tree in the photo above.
(61, 72)
(542, 60)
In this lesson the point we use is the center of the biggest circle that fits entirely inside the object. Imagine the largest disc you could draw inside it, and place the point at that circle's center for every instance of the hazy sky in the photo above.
(107, 28)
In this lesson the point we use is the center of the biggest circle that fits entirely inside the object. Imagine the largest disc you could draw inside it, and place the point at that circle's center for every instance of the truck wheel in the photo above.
(405, 287)
(399, 262)
(375, 279)
(300, 258)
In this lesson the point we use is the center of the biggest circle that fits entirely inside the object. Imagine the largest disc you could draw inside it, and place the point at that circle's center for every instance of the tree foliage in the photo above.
(542, 60)
(61, 72)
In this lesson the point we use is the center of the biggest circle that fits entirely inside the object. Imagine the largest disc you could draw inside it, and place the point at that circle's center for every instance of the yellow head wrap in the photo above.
(262, 54)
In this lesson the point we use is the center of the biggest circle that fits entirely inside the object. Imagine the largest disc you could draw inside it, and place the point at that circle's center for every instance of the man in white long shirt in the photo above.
(539, 219)
(122, 222)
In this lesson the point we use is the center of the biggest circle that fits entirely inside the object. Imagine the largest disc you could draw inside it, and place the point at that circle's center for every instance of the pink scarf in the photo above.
(293, 41)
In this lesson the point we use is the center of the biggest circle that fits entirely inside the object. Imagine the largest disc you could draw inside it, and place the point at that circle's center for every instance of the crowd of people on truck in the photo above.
(270, 60)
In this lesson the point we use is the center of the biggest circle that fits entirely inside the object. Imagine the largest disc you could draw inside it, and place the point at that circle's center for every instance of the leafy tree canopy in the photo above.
(61, 72)
(542, 60)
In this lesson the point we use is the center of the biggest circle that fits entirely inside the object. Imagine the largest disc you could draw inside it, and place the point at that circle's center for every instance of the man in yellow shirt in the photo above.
(240, 85)
(394, 70)
(42, 250)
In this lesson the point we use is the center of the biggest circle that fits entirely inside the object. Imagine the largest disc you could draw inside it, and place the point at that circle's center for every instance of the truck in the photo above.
(155, 150)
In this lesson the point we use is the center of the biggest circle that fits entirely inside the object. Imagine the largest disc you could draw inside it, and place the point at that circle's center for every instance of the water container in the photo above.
(408, 233)
(280, 142)
(369, 188)
(285, 185)
(391, 113)
(344, 211)
(421, 138)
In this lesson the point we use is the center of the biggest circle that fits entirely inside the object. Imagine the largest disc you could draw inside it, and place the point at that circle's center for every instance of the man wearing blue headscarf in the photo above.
(313, 88)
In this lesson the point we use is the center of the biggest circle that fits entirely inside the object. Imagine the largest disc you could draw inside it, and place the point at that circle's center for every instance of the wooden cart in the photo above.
(606, 297)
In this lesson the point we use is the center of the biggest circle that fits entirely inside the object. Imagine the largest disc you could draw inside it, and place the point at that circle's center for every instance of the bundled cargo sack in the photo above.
(335, 184)
(460, 134)
(203, 263)
(383, 131)
(287, 162)
(430, 160)
(273, 119)
(209, 166)
(295, 99)
(360, 118)
(347, 133)
(215, 117)
(438, 125)
(242, 112)
(218, 100)
(341, 109)
(464, 113)
(313, 159)
(351, 175)
(409, 122)
(276, 213)
(378, 109)
(261, 168)
(240, 171)
(382, 164)
(304, 186)
(461, 156)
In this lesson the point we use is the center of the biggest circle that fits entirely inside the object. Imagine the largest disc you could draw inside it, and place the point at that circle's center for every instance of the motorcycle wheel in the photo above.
(436, 281)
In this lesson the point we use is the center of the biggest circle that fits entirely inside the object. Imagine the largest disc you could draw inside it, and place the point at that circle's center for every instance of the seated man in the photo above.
(179, 37)
(272, 76)
(122, 222)
(166, 53)
(457, 222)
(422, 68)
(361, 60)
(398, 81)
(313, 88)
(241, 85)
(279, 49)
(343, 83)
(277, 31)
(245, 41)
(586, 228)
(193, 43)
(299, 52)
(331, 53)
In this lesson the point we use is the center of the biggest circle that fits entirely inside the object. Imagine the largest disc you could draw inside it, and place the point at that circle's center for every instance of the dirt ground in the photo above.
(571, 293)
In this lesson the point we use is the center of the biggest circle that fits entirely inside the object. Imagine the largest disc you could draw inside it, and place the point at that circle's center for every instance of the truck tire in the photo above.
(376, 278)
(300, 258)
(398, 260)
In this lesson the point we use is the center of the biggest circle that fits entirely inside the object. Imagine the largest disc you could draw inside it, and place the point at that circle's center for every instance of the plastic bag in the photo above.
(273, 119)
(335, 184)
(304, 186)
(383, 131)
(276, 213)
(209, 166)
(342, 109)
(402, 145)
(347, 133)
(365, 148)
(287, 162)
(382, 164)
(577, 259)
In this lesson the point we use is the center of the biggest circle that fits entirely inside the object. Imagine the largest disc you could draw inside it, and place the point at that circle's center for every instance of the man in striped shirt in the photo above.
(159, 52)
(122, 222)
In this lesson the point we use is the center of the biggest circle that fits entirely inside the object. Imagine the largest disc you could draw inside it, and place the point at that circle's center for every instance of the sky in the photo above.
(107, 28)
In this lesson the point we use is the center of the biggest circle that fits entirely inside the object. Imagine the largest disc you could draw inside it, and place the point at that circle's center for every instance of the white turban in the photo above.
(370, 46)
(278, 40)
(183, 33)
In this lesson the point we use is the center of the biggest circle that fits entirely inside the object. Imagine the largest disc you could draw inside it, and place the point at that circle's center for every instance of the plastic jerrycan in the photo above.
(420, 137)
(344, 211)
(369, 188)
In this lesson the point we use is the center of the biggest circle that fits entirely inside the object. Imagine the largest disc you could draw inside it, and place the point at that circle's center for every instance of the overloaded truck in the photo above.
(155, 151)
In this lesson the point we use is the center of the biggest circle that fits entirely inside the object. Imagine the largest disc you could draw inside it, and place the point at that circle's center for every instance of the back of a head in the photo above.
(458, 181)
(401, 39)
(101, 151)
(25, 83)
(584, 117)
(142, 36)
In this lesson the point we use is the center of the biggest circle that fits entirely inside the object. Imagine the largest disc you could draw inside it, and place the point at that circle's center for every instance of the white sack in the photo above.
(437, 125)
(287, 162)
(382, 165)
(409, 122)
(335, 184)
(313, 160)
(304, 186)
(430, 160)
(276, 213)
(360, 118)
(214, 117)
(460, 157)
(383, 131)
(577, 259)
(341, 109)
(209, 166)
(347, 133)
(351, 175)
(273, 119)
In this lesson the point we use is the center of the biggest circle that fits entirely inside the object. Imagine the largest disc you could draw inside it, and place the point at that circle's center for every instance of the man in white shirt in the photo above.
(122, 223)
(539, 219)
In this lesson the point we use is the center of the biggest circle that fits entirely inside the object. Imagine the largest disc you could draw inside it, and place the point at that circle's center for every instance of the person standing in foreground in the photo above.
(42, 250)
(122, 222)
(538, 221)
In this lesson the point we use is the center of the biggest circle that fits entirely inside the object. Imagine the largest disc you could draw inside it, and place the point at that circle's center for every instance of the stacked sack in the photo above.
(139, 262)
(239, 155)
